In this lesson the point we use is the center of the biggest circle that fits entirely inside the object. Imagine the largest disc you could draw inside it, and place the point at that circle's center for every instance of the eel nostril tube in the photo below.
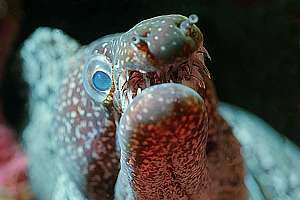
(186, 24)
(193, 18)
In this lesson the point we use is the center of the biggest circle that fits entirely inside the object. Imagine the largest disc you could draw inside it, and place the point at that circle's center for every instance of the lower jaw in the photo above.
(125, 102)
(189, 140)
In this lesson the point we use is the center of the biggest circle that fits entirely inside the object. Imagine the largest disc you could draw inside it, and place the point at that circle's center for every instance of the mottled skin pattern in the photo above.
(164, 142)
(86, 132)
(161, 144)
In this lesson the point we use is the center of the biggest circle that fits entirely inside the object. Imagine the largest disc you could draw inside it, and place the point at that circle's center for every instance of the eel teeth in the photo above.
(124, 100)
(139, 91)
(127, 75)
(147, 80)
(142, 71)
(129, 95)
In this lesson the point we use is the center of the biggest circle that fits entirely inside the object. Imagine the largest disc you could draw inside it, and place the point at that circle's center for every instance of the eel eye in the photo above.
(97, 77)
(101, 81)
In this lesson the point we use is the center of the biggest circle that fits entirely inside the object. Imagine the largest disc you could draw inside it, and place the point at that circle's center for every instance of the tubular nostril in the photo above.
(187, 24)
(193, 18)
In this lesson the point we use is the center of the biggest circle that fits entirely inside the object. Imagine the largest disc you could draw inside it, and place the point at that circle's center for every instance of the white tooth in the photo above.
(123, 101)
(139, 91)
(126, 101)
(129, 94)
(146, 80)
(143, 72)
(121, 82)
(124, 104)
(127, 76)
(147, 83)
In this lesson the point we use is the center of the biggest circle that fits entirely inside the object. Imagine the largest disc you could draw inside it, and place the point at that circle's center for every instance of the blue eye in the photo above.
(97, 77)
(101, 81)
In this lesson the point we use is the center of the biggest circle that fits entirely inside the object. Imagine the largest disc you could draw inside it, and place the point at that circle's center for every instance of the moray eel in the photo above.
(129, 116)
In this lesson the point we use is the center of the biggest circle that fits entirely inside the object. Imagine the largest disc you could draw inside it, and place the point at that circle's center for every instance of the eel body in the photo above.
(129, 116)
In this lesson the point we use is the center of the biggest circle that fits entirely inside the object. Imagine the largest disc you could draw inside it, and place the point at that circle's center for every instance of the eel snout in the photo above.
(161, 41)
(163, 136)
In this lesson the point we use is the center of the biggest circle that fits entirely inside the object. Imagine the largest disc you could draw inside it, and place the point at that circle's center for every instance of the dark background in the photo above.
(255, 47)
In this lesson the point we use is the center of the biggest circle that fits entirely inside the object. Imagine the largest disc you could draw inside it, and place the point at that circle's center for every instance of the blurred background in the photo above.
(254, 45)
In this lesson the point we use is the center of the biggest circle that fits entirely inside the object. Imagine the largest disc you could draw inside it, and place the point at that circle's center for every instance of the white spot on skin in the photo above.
(73, 114)
(72, 85)
(80, 151)
(169, 100)
(82, 93)
(149, 96)
(80, 111)
(63, 104)
(84, 101)
(91, 124)
(87, 146)
(139, 116)
(104, 44)
(83, 124)
(75, 100)
(145, 110)
(97, 114)
(69, 93)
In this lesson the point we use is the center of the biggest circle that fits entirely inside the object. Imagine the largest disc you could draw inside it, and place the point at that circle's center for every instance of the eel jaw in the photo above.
(162, 137)
(155, 43)
(131, 83)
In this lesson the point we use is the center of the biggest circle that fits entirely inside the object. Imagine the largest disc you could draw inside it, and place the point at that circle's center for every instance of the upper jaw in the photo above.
(158, 50)
(131, 83)
(155, 43)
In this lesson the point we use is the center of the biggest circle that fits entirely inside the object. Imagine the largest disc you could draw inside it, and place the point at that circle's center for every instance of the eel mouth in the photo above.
(131, 83)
